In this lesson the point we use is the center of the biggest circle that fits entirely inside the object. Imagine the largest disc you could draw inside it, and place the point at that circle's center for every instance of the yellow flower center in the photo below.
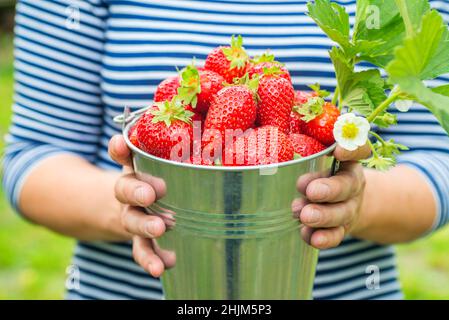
(350, 131)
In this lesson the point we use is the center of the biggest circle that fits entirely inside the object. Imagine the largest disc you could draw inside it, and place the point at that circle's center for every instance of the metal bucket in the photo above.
(234, 235)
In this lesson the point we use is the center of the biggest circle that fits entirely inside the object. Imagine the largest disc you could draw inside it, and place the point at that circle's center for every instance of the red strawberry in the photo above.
(232, 108)
(296, 123)
(167, 89)
(263, 145)
(259, 68)
(276, 96)
(319, 117)
(196, 115)
(305, 145)
(167, 125)
(229, 62)
(198, 87)
(267, 61)
(132, 134)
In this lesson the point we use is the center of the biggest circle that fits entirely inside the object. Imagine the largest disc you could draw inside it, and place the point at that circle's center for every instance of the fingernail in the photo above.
(149, 268)
(321, 191)
(320, 240)
(141, 195)
(312, 216)
(150, 228)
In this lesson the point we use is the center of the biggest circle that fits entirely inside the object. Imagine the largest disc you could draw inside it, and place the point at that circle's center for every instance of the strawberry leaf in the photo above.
(378, 29)
(333, 20)
(424, 56)
(444, 90)
(359, 91)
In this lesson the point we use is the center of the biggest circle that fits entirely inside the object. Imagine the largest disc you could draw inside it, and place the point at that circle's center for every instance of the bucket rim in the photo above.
(328, 151)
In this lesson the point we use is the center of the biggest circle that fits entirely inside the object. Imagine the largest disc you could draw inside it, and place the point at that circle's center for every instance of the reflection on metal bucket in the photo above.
(232, 231)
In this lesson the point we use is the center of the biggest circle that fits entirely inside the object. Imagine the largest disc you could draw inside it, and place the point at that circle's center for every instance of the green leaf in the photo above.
(333, 20)
(379, 163)
(424, 55)
(359, 91)
(437, 103)
(412, 12)
(378, 29)
(444, 90)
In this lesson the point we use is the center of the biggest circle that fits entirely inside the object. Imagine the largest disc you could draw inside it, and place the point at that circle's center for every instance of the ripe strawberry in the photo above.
(198, 87)
(267, 61)
(296, 123)
(276, 96)
(229, 62)
(196, 115)
(232, 109)
(167, 89)
(132, 135)
(319, 119)
(305, 145)
(165, 126)
(263, 145)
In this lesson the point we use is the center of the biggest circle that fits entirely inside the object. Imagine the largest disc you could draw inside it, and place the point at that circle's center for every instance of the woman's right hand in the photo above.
(134, 194)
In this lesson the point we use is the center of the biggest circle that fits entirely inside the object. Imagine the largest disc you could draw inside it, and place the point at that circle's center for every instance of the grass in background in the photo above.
(33, 260)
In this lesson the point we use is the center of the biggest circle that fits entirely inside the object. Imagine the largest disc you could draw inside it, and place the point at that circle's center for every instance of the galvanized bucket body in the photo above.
(234, 236)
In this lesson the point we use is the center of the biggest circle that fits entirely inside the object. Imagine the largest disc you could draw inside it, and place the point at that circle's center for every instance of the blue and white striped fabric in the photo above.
(72, 78)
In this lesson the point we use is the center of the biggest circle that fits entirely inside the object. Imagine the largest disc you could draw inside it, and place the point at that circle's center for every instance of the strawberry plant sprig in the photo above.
(405, 38)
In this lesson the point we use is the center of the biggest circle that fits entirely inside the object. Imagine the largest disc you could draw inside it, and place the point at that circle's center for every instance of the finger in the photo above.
(304, 180)
(329, 215)
(145, 256)
(358, 154)
(297, 205)
(327, 238)
(306, 233)
(168, 257)
(157, 183)
(348, 182)
(129, 190)
(119, 151)
(137, 223)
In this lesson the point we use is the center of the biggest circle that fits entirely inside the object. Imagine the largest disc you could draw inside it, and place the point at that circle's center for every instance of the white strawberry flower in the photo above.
(351, 131)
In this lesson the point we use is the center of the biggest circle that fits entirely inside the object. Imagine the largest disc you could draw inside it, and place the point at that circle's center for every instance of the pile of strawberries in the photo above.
(234, 111)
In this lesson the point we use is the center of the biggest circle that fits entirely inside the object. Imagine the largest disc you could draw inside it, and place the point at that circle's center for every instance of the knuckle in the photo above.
(125, 219)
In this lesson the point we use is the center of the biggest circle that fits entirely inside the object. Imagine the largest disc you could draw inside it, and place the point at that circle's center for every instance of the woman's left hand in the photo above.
(332, 205)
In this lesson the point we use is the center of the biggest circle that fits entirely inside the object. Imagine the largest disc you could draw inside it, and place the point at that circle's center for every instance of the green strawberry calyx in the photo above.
(311, 109)
(252, 83)
(170, 111)
(190, 85)
(236, 54)
(274, 70)
(265, 57)
(317, 89)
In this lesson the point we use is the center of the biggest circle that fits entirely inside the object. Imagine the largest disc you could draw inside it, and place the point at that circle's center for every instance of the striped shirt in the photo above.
(73, 75)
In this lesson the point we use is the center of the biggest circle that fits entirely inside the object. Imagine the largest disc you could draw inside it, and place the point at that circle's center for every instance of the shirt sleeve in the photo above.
(419, 130)
(57, 102)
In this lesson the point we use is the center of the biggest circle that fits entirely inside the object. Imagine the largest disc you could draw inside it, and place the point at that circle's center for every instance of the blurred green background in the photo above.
(33, 261)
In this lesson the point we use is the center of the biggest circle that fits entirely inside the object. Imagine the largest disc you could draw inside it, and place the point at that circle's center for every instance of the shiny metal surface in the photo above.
(234, 236)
